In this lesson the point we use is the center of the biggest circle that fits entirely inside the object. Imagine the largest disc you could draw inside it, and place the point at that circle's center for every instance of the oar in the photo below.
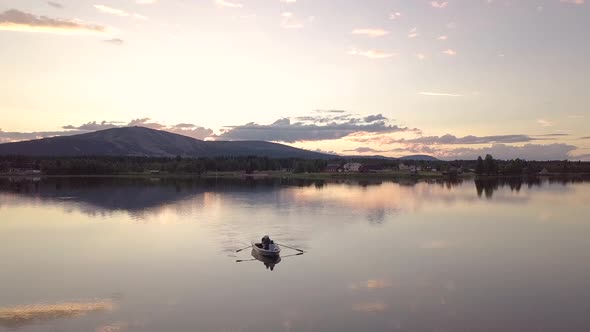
(254, 259)
(297, 254)
(301, 251)
(245, 260)
(250, 246)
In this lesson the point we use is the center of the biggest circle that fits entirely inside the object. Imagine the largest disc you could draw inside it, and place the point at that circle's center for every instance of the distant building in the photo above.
(404, 167)
(544, 171)
(415, 169)
(333, 168)
(352, 167)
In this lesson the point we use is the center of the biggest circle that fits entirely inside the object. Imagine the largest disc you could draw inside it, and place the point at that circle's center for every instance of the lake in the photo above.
(158, 254)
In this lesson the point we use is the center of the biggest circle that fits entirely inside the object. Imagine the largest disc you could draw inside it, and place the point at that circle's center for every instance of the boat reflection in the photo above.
(268, 261)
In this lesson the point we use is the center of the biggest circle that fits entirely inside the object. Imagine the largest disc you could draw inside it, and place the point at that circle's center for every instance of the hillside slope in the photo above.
(140, 141)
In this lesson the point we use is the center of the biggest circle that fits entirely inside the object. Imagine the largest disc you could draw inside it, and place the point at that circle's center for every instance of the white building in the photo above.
(404, 167)
(352, 167)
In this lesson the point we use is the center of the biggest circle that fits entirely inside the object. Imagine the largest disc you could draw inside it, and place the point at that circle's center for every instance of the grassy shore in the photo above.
(330, 176)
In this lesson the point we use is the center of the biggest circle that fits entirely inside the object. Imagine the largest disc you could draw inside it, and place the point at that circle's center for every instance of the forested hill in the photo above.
(140, 141)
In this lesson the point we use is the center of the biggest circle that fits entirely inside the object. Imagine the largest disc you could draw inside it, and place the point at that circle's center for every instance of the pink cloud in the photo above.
(371, 54)
(441, 4)
(395, 15)
(370, 32)
(573, 2)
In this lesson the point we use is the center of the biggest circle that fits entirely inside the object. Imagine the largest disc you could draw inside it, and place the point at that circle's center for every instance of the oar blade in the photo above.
(248, 247)
(300, 250)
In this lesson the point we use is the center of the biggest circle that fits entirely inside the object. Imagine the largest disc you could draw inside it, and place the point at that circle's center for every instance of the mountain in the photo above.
(419, 157)
(140, 141)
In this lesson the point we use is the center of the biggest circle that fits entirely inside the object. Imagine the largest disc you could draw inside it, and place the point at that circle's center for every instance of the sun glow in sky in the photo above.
(453, 79)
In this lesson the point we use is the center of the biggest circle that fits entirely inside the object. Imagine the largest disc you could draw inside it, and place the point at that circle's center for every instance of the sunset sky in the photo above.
(452, 79)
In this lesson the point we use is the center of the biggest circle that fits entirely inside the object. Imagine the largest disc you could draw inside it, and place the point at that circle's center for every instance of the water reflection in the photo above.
(269, 262)
(17, 316)
(487, 186)
(145, 197)
(409, 256)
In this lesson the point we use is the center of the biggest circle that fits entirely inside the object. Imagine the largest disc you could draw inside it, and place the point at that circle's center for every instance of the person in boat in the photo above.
(266, 241)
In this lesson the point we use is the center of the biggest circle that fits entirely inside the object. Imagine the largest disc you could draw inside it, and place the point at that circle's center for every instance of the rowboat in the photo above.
(272, 251)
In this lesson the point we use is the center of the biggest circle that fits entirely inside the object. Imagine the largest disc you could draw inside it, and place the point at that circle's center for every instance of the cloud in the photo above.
(420, 56)
(450, 52)
(394, 16)
(55, 4)
(582, 157)
(191, 130)
(16, 20)
(442, 37)
(144, 122)
(470, 139)
(413, 33)
(145, 2)
(544, 123)
(373, 118)
(115, 41)
(556, 151)
(576, 116)
(371, 54)
(227, 4)
(140, 17)
(573, 2)
(119, 12)
(370, 32)
(7, 136)
(440, 94)
(416, 149)
(93, 126)
(439, 4)
(365, 149)
(288, 1)
(585, 137)
(312, 128)
(110, 10)
(552, 135)
(186, 129)
(289, 21)
(330, 111)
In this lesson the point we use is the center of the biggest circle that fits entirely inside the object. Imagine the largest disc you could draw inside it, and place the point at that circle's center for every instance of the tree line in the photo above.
(104, 165)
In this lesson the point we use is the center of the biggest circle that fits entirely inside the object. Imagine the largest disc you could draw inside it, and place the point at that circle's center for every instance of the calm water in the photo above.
(109, 255)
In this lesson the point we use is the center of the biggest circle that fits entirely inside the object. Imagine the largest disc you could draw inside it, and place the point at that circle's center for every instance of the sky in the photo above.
(453, 79)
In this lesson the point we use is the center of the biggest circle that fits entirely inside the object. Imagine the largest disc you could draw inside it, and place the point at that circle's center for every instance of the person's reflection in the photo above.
(269, 262)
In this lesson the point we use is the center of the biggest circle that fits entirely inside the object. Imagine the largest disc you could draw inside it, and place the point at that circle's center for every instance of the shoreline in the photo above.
(301, 176)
